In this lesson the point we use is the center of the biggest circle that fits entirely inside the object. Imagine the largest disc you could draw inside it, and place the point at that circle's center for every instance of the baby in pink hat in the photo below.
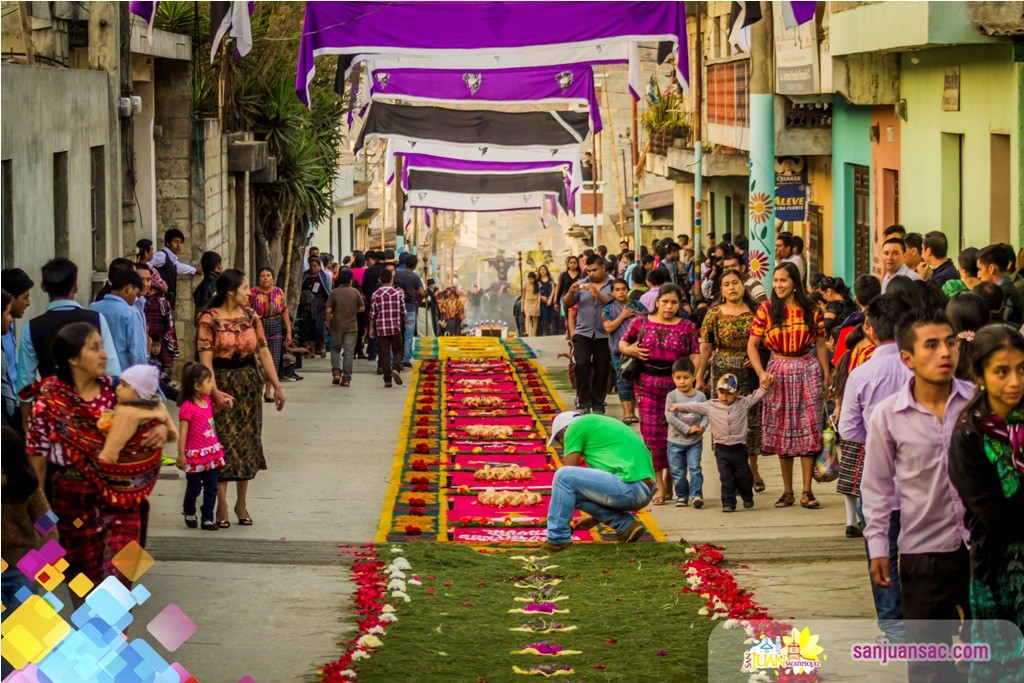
(138, 408)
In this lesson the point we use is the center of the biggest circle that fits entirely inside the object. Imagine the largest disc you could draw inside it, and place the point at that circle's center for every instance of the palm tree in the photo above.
(260, 98)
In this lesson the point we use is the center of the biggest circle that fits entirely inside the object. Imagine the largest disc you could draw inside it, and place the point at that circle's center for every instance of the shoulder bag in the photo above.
(631, 368)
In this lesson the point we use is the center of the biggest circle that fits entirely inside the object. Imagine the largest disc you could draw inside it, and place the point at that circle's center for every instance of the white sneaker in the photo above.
(681, 502)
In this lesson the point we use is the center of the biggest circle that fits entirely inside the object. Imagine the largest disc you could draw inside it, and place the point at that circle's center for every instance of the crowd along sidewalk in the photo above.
(798, 562)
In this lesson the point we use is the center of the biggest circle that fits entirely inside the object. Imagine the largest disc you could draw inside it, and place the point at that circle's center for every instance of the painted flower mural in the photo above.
(758, 263)
(760, 208)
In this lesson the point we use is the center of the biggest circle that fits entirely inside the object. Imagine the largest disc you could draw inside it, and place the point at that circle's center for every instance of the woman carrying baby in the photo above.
(99, 505)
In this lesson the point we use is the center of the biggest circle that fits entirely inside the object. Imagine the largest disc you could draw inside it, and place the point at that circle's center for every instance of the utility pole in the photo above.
(399, 206)
(761, 214)
(636, 183)
(128, 236)
(698, 152)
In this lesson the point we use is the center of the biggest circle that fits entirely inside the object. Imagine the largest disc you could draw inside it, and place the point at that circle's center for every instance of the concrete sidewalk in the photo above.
(798, 562)
(270, 600)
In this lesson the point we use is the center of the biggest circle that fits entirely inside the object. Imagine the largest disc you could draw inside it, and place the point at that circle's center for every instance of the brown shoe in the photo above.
(785, 500)
(346, 383)
(633, 532)
(387, 385)
(336, 379)
(554, 547)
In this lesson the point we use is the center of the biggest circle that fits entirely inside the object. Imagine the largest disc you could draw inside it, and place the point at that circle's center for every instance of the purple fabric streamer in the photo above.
(145, 10)
(564, 83)
(478, 30)
(798, 12)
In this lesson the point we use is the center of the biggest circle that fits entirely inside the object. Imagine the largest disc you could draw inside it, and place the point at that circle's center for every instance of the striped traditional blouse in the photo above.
(790, 338)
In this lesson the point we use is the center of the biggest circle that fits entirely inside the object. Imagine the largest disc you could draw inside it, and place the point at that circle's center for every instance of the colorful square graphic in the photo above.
(133, 561)
(171, 627)
(31, 632)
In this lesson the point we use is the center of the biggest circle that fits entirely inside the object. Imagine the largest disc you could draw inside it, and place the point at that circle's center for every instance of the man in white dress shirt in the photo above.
(893, 255)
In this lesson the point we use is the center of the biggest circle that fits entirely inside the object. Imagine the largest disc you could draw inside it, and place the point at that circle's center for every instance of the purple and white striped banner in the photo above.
(476, 32)
(568, 155)
(458, 201)
(571, 83)
(423, 162)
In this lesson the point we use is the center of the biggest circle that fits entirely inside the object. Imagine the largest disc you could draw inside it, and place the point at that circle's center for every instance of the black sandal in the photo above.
(759, 485)
(808, 500)
(785, 500)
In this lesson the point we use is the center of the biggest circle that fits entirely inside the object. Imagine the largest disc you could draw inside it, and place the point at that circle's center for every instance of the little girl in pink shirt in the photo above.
(200, 454)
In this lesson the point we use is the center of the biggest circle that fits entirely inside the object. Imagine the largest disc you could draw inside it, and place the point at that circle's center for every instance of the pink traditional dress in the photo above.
(667, 343)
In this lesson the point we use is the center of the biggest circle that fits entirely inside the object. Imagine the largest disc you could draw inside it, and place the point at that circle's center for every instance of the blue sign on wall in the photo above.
(791, 203)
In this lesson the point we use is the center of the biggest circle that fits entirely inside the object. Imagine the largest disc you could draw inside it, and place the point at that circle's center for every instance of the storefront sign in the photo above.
(951, 89)
(796, 56)
(790, 189)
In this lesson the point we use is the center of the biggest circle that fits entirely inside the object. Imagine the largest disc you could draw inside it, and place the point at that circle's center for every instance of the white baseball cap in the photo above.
(561, 421)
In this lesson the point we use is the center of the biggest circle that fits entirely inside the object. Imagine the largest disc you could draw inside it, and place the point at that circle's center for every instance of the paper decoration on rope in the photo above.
(523, 184)
(479, 34)
(572, 83)
(480, 127)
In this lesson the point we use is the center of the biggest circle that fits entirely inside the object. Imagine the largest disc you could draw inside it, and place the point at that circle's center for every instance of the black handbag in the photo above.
(631, 368)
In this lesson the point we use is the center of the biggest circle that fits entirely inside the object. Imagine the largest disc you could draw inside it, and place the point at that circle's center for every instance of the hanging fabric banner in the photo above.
(568, 155)
(619, 53)
(572, 83)
(474, 126)
(477, 32)
(458, 201)
(422, 162)
(510, 183)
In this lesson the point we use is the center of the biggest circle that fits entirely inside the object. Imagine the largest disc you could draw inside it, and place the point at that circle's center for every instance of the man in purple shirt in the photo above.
(906, 459)
(878, 378)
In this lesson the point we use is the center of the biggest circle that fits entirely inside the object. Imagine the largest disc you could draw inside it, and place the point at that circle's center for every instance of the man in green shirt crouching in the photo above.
(618, 478)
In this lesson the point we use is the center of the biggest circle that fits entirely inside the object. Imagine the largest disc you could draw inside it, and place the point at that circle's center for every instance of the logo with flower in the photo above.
(760, 208)
(758, 263)
(798, 652)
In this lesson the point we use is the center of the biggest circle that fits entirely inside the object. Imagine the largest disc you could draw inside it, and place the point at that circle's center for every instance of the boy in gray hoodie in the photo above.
(685, 436)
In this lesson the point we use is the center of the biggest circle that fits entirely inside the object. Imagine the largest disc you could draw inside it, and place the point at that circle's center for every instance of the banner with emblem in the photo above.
(573, 84)
(511, 184)
(478, 35)
(425, 162)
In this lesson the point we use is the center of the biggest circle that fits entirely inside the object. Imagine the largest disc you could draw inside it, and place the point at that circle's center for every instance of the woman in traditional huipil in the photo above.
(231, 342)
(659, 339)
(269, 303)
(791, 422)
(724, 335)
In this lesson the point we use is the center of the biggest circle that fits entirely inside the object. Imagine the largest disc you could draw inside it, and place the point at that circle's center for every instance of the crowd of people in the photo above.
(920, 371)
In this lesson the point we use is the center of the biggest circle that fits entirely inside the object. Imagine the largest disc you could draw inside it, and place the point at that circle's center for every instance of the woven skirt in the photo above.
(851, 467)
(240, 429)
(791, 411)
(273, 328)
(730, 362)
(101, 532)
(651, 393)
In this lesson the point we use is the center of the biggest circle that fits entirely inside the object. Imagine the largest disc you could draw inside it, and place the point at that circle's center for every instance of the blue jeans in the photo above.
(683, 461)
(410, 329)
(207, 483)
(600, 494)
(623, 386)
(888, 601)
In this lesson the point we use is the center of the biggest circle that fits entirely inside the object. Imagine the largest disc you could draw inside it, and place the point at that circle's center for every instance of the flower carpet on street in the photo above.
(472, 463)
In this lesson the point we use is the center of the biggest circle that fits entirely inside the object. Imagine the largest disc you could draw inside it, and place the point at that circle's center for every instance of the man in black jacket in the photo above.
(371, 283)
(212, 266)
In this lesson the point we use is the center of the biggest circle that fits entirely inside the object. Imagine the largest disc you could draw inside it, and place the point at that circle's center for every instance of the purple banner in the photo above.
(798, 12)
(566, 83)
(478, 30)
(427, 162)
(145, 10)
